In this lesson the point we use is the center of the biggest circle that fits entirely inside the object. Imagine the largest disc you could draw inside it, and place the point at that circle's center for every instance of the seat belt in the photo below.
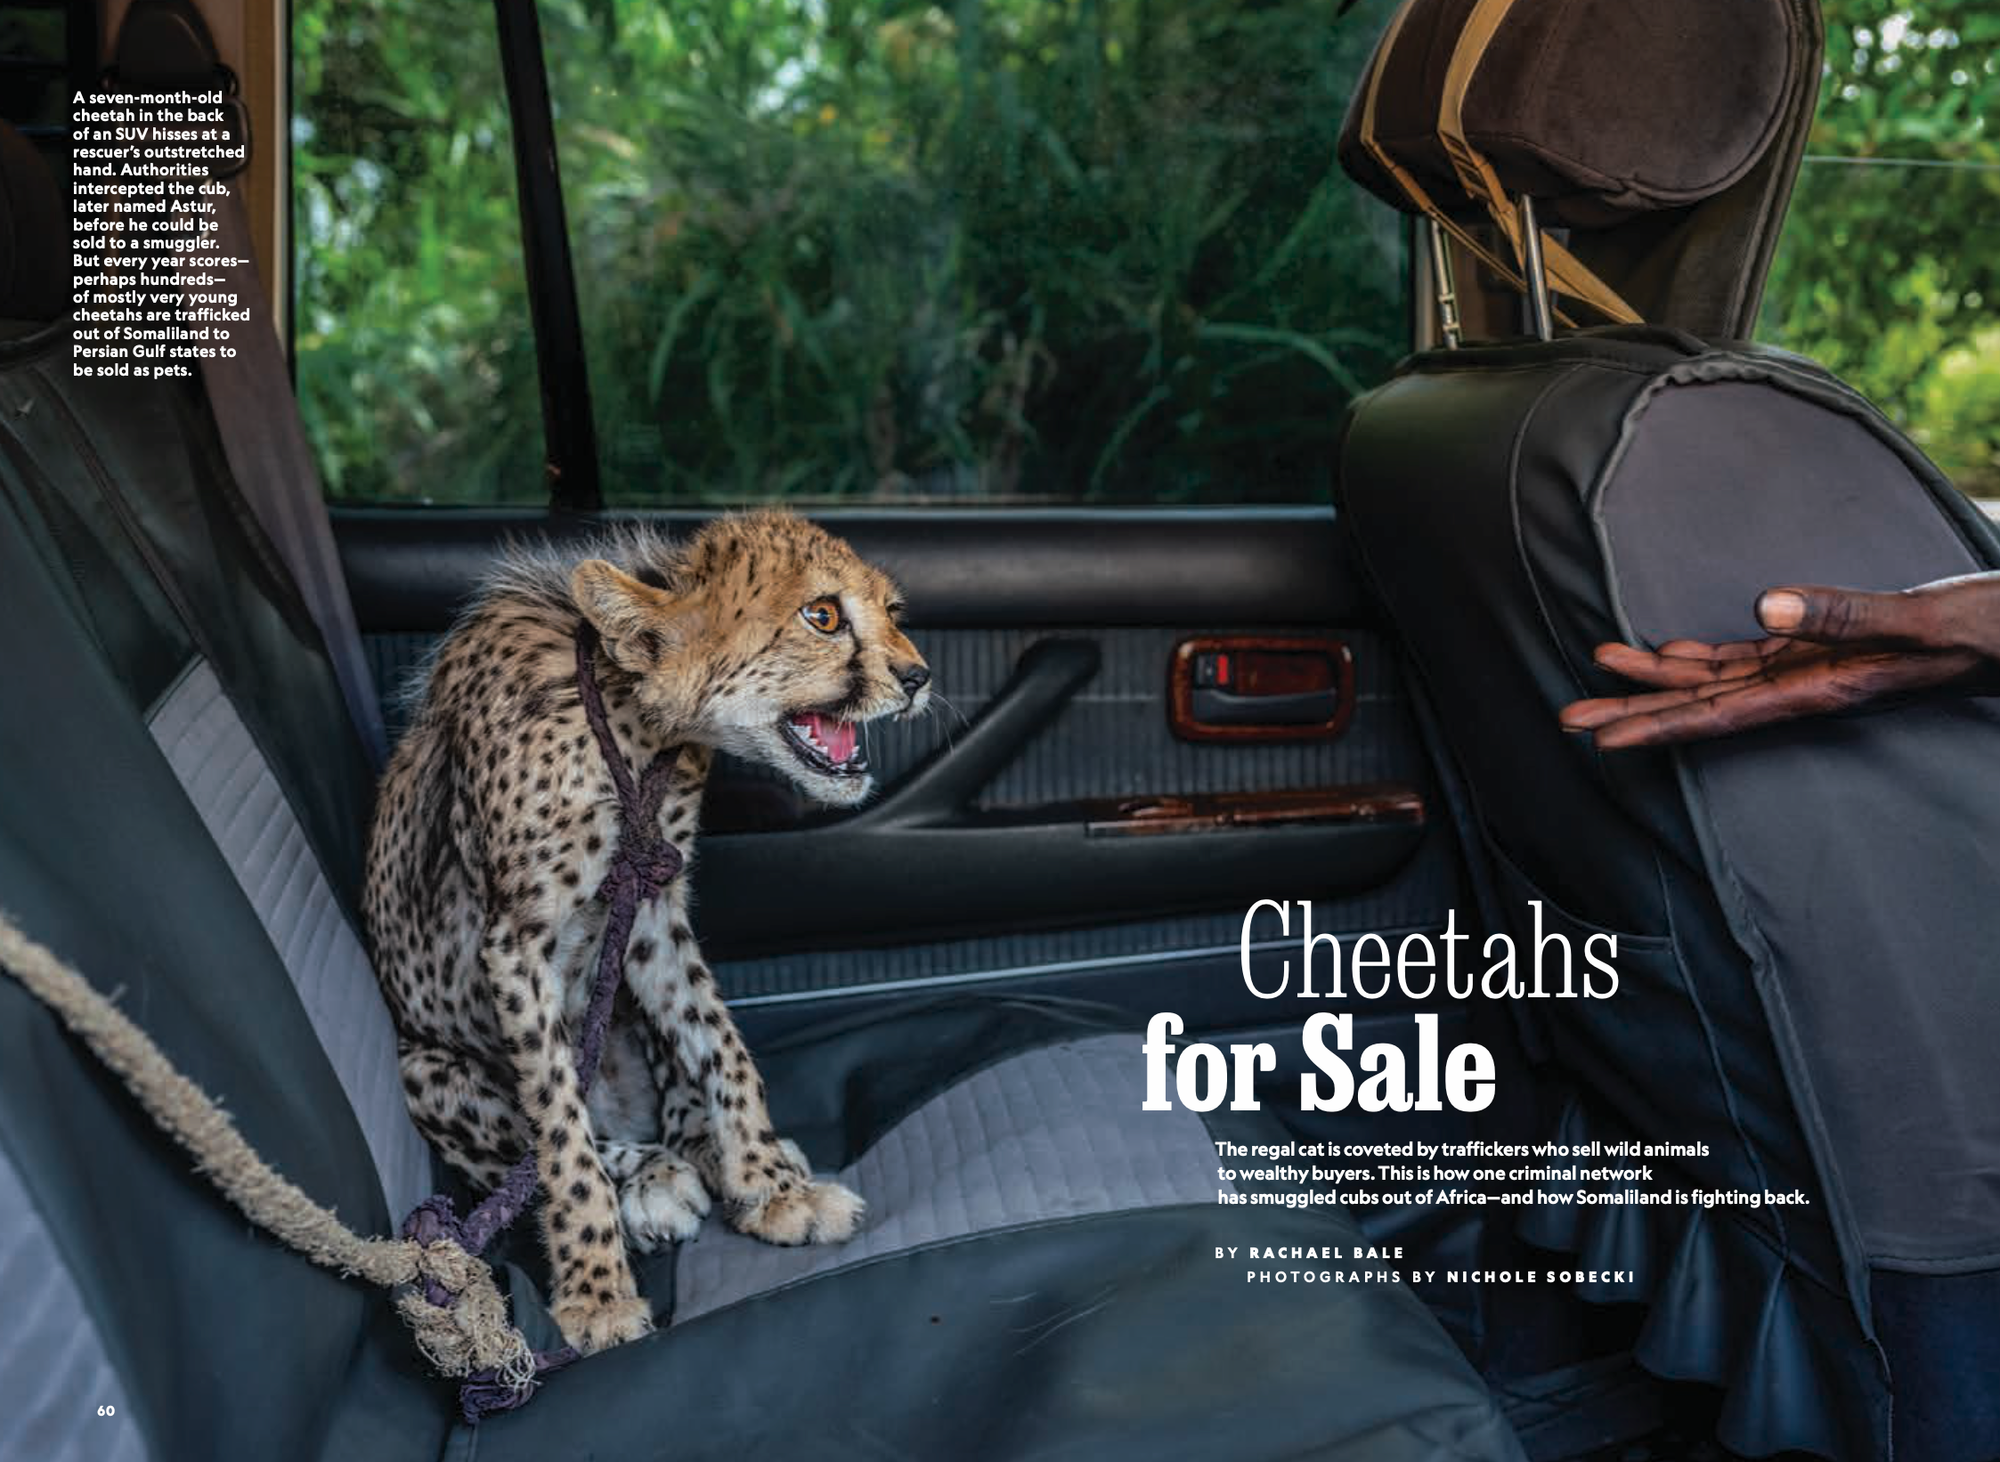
(163, 46)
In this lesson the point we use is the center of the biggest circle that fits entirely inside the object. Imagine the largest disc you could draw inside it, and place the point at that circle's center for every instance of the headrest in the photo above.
(34, 234)
(1599, 109)
(164, 45)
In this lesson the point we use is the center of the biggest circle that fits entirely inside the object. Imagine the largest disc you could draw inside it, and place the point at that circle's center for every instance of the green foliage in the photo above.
(1959, 413)
(1074, 249)
(1088, 249)
(416, 368)
(1888, 271)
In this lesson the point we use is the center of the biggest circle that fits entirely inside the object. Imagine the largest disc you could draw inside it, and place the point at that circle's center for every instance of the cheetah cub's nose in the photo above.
(913, 677)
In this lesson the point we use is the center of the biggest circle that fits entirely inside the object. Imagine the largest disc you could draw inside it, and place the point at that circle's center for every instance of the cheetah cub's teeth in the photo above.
(826, 743)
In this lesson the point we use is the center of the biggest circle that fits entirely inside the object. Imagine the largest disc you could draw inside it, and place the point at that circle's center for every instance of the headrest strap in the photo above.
(1406, 180)
(1566, 274)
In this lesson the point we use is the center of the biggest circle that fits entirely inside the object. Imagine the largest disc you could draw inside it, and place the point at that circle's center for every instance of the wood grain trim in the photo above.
(1180, 687)
(1213, 811)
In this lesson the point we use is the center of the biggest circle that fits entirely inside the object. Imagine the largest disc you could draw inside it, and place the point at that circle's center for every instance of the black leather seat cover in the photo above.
(1806, 915)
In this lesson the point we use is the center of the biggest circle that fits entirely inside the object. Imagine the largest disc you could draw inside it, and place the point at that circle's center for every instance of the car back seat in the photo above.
(1043, 1270)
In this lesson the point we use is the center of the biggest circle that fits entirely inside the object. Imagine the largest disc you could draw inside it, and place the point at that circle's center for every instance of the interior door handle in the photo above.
(1261, 688)
(1299, 708)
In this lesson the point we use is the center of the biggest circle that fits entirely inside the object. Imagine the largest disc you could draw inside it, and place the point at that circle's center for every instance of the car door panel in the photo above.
(1044, 828)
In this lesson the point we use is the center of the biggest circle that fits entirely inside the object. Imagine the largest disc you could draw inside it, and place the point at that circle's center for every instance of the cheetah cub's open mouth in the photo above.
(826, 743)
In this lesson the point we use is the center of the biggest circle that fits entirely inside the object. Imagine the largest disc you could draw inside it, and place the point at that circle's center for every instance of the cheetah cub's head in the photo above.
(766, 637)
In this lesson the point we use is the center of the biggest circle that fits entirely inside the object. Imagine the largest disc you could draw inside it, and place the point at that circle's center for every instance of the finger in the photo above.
(1820, 688)
(1727, 650)
(1698, 718)
(1652, 669)
(1589, 715)
(1687, 667)
(1814, 612)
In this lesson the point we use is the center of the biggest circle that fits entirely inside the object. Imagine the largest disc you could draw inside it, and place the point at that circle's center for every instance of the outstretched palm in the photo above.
(1839, 650)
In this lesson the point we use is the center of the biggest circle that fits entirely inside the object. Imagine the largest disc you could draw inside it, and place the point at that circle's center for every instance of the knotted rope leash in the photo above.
(452, 1305)
(472, 1335)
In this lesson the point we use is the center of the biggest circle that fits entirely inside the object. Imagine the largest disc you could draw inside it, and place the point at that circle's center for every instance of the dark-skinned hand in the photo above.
(1828, 651)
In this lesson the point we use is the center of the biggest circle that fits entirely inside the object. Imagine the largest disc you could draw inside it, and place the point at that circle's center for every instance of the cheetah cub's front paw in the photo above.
(591, 1324)
(663, 1203)
(808, 1213)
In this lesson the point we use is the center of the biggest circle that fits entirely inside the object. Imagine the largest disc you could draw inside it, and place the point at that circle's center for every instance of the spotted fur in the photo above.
(495, 825)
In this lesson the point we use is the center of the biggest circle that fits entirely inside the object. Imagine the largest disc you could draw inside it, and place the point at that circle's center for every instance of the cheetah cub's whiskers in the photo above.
(761, 636)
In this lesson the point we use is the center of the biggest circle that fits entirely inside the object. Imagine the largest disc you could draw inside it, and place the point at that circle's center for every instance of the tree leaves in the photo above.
(1887, 270)
(850, 249)
(1076, 249)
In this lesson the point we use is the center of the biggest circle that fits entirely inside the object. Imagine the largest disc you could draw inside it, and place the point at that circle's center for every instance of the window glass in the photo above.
(1888, 270)
(45, 52)
(34, 62)
(414, 349)
(1020, 250)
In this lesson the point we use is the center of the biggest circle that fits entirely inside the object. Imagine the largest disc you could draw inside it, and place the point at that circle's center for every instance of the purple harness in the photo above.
(642, 864)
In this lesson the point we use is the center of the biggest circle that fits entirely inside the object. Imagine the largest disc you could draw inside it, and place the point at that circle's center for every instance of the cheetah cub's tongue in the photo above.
(830, 734)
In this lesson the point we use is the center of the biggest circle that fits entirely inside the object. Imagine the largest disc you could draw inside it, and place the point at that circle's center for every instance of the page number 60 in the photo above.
(107, 1411)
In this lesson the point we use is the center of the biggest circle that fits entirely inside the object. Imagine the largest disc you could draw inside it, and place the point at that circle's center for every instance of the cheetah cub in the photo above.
(761, 636)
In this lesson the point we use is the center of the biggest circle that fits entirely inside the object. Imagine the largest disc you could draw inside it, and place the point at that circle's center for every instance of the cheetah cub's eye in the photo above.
(823, 615)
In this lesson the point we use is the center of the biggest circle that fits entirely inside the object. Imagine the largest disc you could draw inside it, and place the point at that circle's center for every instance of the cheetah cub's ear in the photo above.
(641, 626)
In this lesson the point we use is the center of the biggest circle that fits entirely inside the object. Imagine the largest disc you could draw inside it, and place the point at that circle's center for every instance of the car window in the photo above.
(1013, 251)
(1887, 270)
(415, 362)
(1026, 250)
(46, 53)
